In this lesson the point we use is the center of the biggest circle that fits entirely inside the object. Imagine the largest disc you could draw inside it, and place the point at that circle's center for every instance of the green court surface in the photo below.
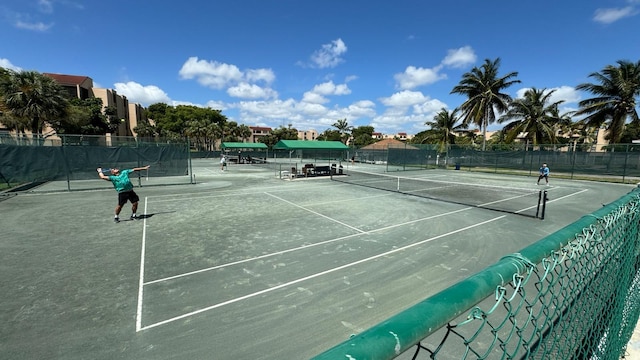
(244, 265)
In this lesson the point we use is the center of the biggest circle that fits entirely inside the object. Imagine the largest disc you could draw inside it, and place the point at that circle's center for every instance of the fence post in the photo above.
(192, 178)
(626, 158)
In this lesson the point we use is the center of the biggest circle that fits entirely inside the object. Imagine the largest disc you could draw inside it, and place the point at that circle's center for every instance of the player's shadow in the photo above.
(147, 216)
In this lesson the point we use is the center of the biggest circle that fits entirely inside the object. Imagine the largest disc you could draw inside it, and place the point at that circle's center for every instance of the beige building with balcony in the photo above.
(82, 88)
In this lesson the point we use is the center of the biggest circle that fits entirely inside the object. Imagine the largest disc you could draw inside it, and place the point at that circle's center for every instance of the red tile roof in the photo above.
(388, 143)
(67, 79)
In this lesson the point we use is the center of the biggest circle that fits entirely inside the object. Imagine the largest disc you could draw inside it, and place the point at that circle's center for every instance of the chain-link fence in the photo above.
(575, 294)
(620, 163)
(69, 162)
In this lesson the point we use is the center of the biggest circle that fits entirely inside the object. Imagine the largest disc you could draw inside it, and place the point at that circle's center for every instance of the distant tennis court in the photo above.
(245, 265)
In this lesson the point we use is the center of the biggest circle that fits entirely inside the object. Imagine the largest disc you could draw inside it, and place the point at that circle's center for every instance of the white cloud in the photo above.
(311, 109)
(255, 75)
(319, 92)
(145, 95)
(37, 26)
(314, 98)
(45, 6)
(329, 56)
(565, 93)
(608, 16)
(329, 88)
(239, 83)
(5, 63)
(217, 105)
(458, 58)
(251, 91)
(350, 78)
(407, 107)
(413, 77)
(259, 110)
(362, 108)
(404, 99)
(210, 73)
(428, 107)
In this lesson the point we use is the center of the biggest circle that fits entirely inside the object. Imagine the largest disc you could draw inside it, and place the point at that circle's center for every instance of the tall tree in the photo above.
(34, 98)
(363, 135)
(534, 116)
(330, 135)
(146, 130)
(281, 133)
(615, 90)
(483, 88)
(344, 129)
(84, 117)
(244, 132)
(444, 129)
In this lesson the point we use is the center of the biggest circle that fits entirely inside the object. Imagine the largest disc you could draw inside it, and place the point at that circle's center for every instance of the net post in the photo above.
(539, 201)
(544, 204)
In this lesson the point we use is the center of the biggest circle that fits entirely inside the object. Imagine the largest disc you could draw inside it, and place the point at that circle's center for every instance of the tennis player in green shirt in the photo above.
(124, 187)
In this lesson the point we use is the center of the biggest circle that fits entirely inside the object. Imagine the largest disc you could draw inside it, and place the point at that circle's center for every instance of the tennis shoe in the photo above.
(116, 220)
(133, 217)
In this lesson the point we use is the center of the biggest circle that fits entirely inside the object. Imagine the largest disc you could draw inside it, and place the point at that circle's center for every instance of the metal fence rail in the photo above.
(572, 295)
(620, 163)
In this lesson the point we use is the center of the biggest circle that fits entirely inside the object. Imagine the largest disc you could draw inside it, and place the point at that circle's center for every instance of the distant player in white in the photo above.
(544, 174)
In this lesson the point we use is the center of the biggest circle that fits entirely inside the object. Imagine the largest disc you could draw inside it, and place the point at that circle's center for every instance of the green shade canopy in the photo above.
(242, 145)
(310, 145)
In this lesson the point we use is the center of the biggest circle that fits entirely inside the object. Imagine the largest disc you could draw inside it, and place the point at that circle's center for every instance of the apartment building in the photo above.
(257, 132)
(82, 88)
(307, 135)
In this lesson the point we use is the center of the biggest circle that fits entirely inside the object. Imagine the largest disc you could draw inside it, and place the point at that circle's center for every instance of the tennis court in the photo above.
(244, 265)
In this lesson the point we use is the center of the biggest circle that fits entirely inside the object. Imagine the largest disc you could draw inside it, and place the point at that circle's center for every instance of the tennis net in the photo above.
(513, 200)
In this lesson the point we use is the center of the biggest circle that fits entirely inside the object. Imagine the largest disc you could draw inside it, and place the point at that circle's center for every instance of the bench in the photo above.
(323, 170)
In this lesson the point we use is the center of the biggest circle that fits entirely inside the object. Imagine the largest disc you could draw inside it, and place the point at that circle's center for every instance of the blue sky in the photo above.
(388, 64)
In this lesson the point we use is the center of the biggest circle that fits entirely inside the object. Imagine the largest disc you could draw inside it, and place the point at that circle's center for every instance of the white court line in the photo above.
(566, 196)
(304, 247)
(139, 316)
(141, 283)
(316, 275)
(316, 213)
(220, 193)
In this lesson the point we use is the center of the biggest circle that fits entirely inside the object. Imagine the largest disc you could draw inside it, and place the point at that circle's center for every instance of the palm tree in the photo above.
(615, 91)
(533, 116)
(584, 135)
(146, 130)
(34, 97)
(444, 129)
(244, 132)
(196, 129)
(483, 88)
(344, 129)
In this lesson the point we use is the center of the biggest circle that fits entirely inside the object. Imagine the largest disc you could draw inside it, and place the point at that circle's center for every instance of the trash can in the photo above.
(457, 166)
(333, 169)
